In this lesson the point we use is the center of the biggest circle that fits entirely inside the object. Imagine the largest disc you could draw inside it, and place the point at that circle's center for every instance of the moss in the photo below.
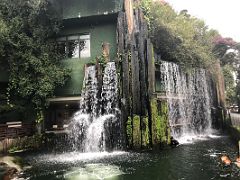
(164, 128)
(154, 116)
(129, 132)
(159, 118)
(136, 132)
(145, 132)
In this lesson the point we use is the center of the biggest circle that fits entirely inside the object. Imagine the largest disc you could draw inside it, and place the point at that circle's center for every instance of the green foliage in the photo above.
(228, 52)
(230, 85)
(40, 116)
(154, 116)
(29, 50)
(3, 36)
(160, 128)
(179, 37)
(164, 130)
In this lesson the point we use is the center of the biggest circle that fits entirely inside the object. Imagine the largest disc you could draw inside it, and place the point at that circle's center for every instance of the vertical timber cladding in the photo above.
(137, 75)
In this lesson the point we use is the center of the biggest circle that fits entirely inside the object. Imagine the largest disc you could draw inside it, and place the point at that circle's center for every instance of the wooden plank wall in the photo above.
(16, 132)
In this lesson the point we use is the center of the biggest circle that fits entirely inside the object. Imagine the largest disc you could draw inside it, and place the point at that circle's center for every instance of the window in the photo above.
(75, 46)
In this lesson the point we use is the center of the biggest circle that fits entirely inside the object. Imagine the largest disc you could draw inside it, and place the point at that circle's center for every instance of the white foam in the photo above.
(192, 138)
(77, 156)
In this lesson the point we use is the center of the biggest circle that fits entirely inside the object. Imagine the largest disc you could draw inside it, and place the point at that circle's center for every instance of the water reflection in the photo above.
(94, 171)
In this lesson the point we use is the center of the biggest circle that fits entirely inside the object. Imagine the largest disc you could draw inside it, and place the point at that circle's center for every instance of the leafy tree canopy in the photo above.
(28, 49)
(179, 37)
(228, 52)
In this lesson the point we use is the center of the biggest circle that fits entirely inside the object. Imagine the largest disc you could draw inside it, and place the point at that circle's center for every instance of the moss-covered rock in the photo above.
(129, 132)
(154, 117)
(136, 132)
(159, 118)
(145, 132)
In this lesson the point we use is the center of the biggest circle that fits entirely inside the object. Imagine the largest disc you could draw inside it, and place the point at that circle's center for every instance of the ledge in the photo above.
(64, 99)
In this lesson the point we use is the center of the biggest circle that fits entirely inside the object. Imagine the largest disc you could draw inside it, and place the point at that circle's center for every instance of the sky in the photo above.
(222, 15)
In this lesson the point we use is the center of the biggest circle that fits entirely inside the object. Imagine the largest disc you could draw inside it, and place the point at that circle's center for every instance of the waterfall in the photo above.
(93, 125)
(188, 100)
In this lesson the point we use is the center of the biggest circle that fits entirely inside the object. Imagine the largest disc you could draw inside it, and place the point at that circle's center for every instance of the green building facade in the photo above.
(88, 25)
(96, 19)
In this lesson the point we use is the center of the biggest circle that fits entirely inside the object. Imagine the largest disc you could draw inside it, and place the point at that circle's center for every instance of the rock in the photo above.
(11, 165)
(225, 160)
(10, 173)
(12, 162)
(2, 164)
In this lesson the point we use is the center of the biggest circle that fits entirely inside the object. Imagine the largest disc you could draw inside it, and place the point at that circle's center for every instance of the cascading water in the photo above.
(188, 100)
(90, 127)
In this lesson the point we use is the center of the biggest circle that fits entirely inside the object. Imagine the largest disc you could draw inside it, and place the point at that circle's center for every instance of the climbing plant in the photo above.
(29, 51)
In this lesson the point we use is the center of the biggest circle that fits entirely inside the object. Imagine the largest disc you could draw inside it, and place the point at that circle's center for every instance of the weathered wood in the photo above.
(144, 132)
(142, 64)
(106, 51)
(12, 131)
(136, 21)
(150, 66)
(125, 82)
(100, 78)
(138, 78)
(127, 37)
(128, 6)
(120, 33)
(136, 132)
(136, 103)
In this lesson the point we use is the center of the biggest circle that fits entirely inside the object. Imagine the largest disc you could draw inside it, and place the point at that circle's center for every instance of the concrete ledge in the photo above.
(58, 132)
(64, 99)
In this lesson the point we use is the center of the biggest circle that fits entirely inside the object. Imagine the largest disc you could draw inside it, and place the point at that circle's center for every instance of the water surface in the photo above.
(198, 160)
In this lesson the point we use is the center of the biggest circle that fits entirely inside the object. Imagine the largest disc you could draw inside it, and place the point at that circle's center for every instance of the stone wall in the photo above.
(144, 116)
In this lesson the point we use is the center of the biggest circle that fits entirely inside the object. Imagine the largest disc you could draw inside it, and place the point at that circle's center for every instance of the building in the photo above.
(87, 25)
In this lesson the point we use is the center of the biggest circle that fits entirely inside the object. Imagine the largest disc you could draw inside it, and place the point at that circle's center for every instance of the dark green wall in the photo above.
(106, 32)
(83, 8)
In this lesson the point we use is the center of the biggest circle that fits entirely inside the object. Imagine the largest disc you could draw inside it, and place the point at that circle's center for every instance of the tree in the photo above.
(227, 51)
(29, 51)
(230, 84)
(179, 37)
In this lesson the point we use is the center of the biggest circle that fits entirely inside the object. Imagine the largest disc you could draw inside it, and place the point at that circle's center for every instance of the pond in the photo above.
(198, 160)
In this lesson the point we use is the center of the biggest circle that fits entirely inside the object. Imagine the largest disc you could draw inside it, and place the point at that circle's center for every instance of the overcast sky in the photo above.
(222, 15)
